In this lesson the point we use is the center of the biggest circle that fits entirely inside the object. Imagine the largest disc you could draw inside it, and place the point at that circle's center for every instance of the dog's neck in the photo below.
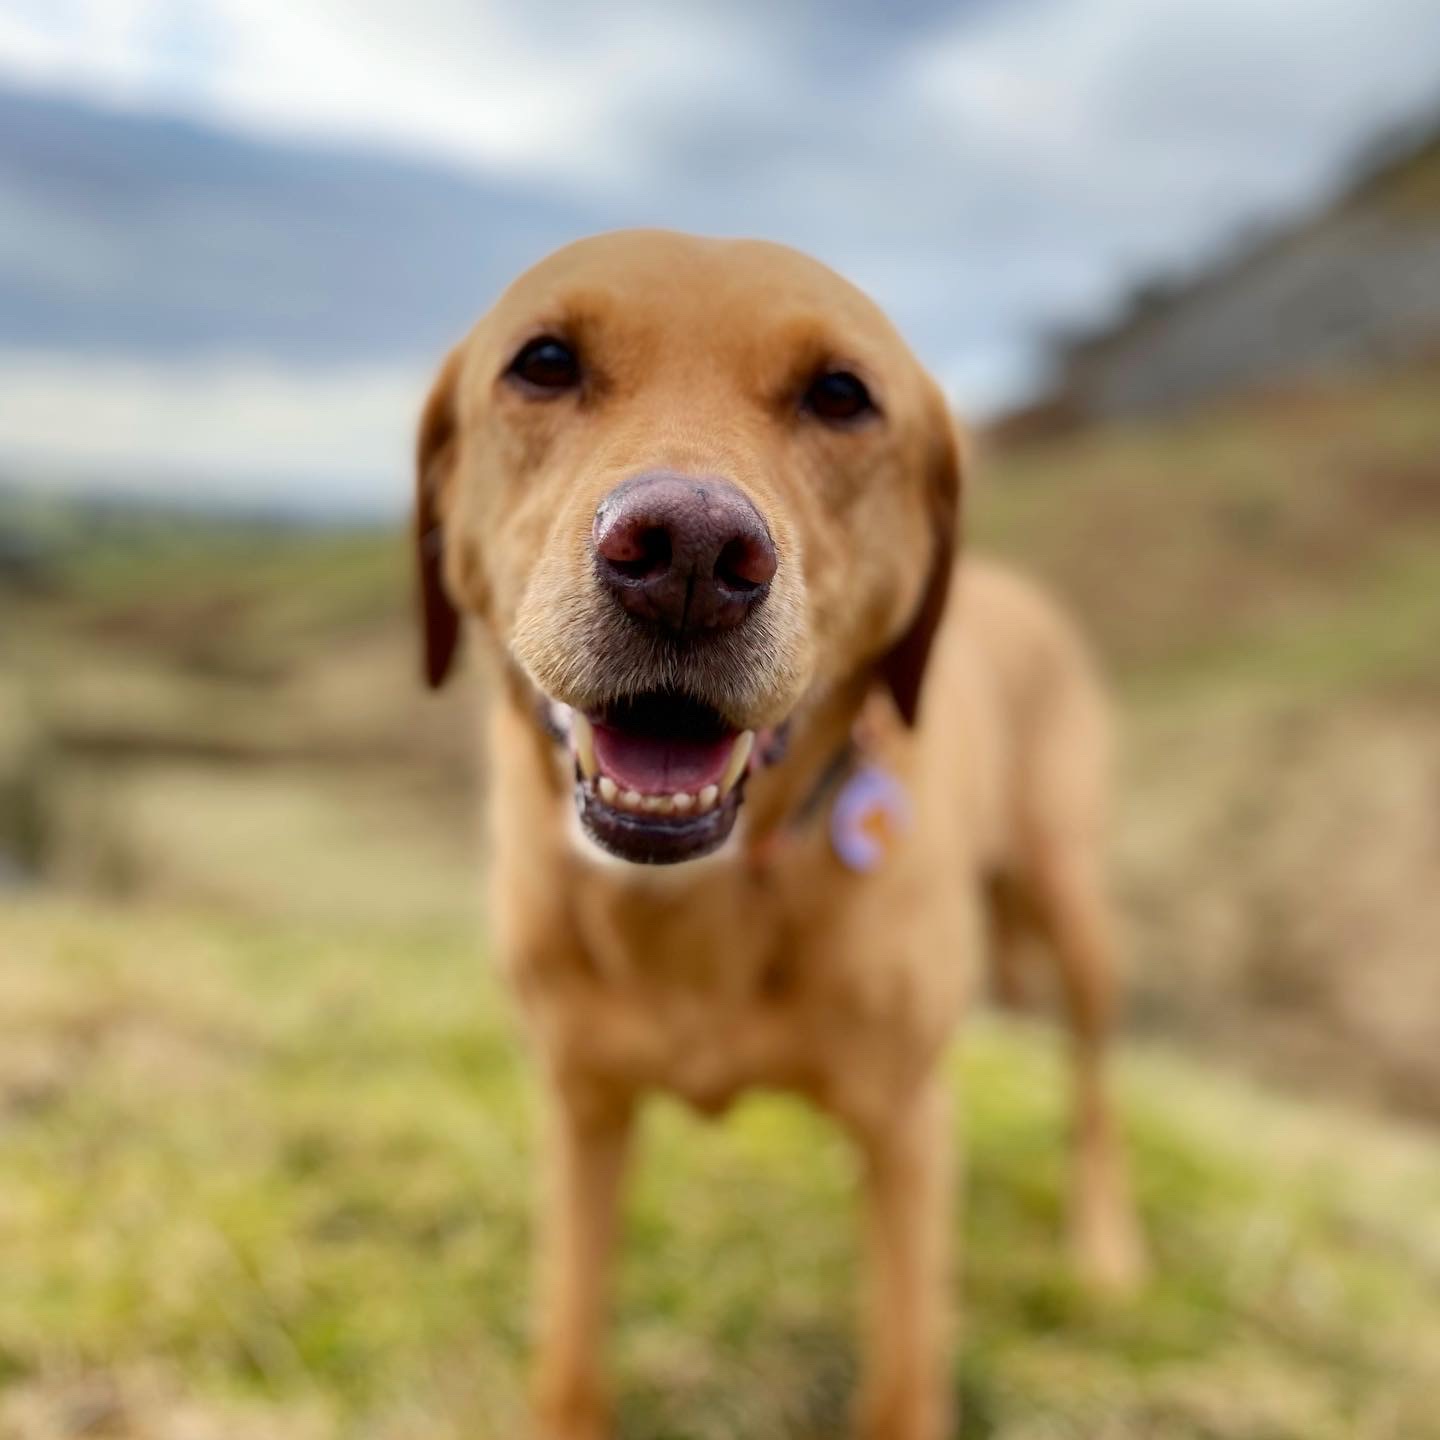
(785, 797)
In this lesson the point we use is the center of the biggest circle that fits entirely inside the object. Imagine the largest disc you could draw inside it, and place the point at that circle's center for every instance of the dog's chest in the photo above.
(709, 990)
(692, 992)
(705, 1049)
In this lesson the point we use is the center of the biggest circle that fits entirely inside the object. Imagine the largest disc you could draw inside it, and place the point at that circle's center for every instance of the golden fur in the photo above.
(770, 963)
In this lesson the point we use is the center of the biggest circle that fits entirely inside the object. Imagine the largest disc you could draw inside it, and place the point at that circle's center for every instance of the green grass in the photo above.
(281, 1175)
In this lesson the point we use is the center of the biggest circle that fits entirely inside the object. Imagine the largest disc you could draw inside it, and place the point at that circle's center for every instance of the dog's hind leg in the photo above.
(1010, 929)
(1073, 913)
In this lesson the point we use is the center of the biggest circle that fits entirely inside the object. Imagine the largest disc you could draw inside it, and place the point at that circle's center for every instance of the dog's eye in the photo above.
(548, 364)
(837, 395)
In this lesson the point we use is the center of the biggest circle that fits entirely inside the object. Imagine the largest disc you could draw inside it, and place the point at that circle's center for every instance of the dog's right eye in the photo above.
(547, 364)
(837, 396)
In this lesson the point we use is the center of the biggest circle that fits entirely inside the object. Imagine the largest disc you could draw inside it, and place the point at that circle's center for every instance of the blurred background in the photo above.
(265, 1129)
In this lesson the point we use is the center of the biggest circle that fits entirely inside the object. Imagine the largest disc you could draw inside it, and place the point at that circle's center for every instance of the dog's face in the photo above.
(687, 484)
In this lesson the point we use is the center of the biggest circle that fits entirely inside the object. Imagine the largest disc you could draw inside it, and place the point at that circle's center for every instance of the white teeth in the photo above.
(584, 738)
(681, 802)
(739, 759)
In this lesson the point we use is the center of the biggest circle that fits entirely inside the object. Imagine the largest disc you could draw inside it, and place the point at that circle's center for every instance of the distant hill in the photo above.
(145, 235)
(1352, 288)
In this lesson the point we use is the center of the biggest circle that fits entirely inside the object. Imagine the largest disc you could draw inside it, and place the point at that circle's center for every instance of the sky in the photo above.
(991, 171)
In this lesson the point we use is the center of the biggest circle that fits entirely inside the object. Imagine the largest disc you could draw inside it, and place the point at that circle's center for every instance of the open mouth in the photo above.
(659, 776)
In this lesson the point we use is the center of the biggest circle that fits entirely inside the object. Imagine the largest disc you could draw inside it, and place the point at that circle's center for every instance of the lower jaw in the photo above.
(647, 839)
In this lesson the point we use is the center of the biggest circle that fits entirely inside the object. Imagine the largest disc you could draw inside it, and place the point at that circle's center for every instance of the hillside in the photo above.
(1330, 295)
(1264, 581)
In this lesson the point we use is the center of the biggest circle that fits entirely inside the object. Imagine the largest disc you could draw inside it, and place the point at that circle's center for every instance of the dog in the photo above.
(766, 762)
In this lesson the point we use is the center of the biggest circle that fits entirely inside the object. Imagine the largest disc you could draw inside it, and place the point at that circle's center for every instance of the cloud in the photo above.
(485, 84)
(231, 429)
(1172, 119)
(990, 171)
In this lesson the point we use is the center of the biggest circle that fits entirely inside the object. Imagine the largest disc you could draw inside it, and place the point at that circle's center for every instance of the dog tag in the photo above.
(871, 813)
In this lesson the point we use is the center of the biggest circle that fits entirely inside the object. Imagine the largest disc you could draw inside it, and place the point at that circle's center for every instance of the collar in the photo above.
(868, 806)
(764, 849)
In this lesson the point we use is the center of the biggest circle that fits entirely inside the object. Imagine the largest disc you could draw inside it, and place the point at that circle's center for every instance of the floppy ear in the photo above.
(434, 456)
(902, 667)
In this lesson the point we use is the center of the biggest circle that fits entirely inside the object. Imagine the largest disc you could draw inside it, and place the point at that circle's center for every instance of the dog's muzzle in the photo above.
(659, 777)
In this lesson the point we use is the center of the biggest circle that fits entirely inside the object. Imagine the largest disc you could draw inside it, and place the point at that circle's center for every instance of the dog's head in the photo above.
(687, 485)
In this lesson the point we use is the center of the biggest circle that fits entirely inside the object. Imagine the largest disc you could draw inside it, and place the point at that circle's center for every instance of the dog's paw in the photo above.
(589, 1426)
(571, 1413)
(910, 1415)
(1108, 1250)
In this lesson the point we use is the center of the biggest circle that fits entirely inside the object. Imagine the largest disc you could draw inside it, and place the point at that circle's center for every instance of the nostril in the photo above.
(745, 564)
(635, 546)
(641, 553)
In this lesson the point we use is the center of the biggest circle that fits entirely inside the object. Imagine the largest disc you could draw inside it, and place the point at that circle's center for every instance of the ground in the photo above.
(266, 1125)
(272, 1179)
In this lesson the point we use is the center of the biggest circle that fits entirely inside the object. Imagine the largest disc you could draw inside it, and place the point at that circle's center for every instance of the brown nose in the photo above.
(686, 554)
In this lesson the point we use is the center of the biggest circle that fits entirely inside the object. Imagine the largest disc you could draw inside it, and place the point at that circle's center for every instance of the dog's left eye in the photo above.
(837, 395)
(548, 364)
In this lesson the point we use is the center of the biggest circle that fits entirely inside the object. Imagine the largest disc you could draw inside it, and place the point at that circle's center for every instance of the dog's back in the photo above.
(1032, 726)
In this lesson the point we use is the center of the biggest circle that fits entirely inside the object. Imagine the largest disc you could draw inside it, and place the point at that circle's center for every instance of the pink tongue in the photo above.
(660, 767)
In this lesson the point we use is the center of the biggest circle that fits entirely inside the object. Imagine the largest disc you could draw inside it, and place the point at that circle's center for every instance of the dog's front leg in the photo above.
(908, 1177)
(588, 1140)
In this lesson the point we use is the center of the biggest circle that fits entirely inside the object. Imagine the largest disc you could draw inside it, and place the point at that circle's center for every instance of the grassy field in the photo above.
(266, 1129)
(265, 1178)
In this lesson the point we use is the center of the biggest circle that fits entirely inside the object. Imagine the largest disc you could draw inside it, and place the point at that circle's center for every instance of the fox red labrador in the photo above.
(766, 763)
